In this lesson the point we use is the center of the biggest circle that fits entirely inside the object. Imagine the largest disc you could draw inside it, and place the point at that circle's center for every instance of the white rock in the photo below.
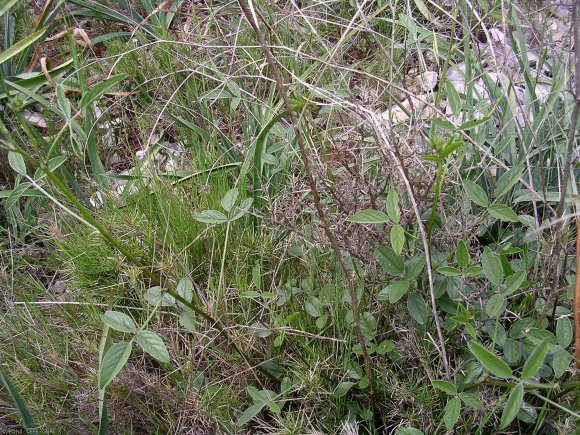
(428, 81)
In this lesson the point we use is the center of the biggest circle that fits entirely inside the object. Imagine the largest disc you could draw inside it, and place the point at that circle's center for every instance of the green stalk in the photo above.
(438, 186)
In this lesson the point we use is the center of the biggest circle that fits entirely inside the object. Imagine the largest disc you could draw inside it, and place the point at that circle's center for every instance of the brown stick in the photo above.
(251, 17)
(577, 296)
(553, 295)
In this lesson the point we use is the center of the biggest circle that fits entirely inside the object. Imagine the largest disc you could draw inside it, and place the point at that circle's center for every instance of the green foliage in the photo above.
(451, 252)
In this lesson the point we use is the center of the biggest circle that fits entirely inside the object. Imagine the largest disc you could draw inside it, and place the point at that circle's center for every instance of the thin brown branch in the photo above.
(248, 12)
(571, 146)
(577, 296)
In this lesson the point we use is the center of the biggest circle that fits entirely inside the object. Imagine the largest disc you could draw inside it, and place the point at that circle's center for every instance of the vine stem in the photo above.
(250, 14)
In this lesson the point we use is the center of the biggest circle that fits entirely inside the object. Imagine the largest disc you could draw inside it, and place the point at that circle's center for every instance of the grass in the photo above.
(276, 348)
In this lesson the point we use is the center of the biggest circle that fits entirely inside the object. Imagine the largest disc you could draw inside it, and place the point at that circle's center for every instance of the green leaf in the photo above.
(154, 295)
(471, 400)
(238, 212)
(446, 387)
(462, 254)
(491, 267)
(503, 213)
(507, 181)
(5, 5)
(21, 45)
(257, 275)
(512, 350)
(342, 389)
(451, 412)
(369, 217)
(153, 345)
(397, 238)
(494, 305)
(473, 123)
(391, 263)
(185, 290)
(398, 290)
(514, 282)
(321, 321)
(512, 406)
(16, 162)
(187, 319)
(113, 361)
(56, 162)
(211, 217)
(16, 193)
(449, 271)
(119, 321)
(229, 199)
(408, 431)
(63, 103)
(99, 89)
(313, 306)
(561, 363)
(385, 347)
(453, 99)
(393, 206)
(564, 332)
(20, 405)
(250, 413)
(476, 193)
(417, 308)
(535, 360)
(489, 361)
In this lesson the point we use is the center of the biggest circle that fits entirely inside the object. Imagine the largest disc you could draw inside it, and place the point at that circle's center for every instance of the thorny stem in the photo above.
(251, 17)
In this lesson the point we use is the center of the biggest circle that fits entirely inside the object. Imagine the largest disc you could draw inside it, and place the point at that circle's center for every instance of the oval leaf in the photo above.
(561, 363)
(398, 290)
(369, 217)
(451, 412)
(564, 332)
(491, 267)
(113, 361)
(446, 387)
(503, 213)
(462, 254)
(342, 389)
(393, 206)
(471, 399)
(119, 321)
(211, 217)
(185, 290)
(250, 413)
(489, 361)
(153, 345)
(417, 308)
(397, 238)
(494, 305)
(17, 162)
(476, 193)
(513, 405)
(507, 181)
(391, 263)
(535, 361)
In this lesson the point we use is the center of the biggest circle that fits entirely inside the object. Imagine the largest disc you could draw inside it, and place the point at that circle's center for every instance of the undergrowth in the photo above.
(371, 231)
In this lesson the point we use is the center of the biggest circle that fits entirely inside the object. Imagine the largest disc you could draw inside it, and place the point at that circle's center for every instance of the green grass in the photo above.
(270, 277)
